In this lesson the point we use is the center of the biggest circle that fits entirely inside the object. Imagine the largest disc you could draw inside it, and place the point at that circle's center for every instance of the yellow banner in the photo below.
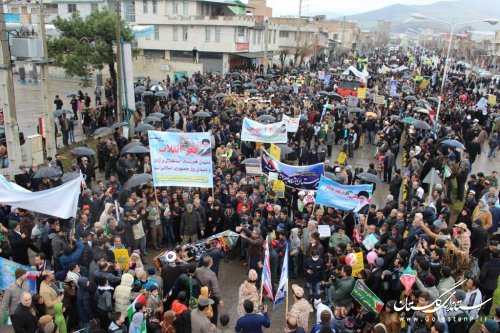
(359, 264)
(122, 258)
(275, 151)
(379, 99)
(279, 188)
(424, 84)
(362, 93)
(492, 99)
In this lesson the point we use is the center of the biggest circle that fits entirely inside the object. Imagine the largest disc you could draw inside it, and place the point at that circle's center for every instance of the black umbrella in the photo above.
(433, 99)
(324, 93)
(395, 95)
(119, 124)
(249, 85)
(220, 95)
(266, 118)
(140, 104)
(250, 161)
(335, 97)
(260, 80)
(421, 125)
(202, 114)
(253, 91)
(192, 87)
(103, 130)
(59, 112)
(72, 94)
(157, 115)
(285, 149)
(206, 88)
(285, 88)
(395, 118)
(132, 144)
(69, 176)
(369, 177)
(144, 128)
(47, 172)
(147, 93)
(139, 90)
(82, 151)
(161, 94)
(151, 119)
(173, 129)
(354, 110)
(269, 90)
(138, 180)
(341, 107)
(410, 98)
(135, 150)
(334, 177)
(182, 80)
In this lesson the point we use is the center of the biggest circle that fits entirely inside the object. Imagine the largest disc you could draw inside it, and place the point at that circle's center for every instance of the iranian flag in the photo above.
(131, 310)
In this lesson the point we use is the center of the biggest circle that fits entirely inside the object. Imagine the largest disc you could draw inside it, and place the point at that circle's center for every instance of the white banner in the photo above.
(292, 124)
(254, 131)
(60, 201)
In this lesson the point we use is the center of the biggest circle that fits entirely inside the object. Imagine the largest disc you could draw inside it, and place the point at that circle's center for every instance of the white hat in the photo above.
(302, 193)
(417, 150)
(171, 257)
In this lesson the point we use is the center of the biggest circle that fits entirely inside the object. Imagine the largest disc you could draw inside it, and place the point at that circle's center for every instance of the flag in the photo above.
(267, 285)
(281, 294)
(131, 309)
(408, 278)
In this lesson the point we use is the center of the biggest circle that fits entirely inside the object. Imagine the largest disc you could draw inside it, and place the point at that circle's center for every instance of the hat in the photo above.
(151, 270)
(494, 242)
(228, 205)
(302, 193)
(491, 325)
(379, 262)
(297, 290)
(205, 301)
(417, 150)
(19, 272)
(473, 192)
(170, 257)
(281, 226)
(153, 288)
(252, 275)
(460, 295)
(462, 225)
(312, 222)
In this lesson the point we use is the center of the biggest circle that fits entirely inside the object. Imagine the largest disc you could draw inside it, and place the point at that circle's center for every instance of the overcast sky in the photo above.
(340, 7)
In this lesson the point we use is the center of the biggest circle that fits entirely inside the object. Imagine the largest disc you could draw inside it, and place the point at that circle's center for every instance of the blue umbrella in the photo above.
(453, 143)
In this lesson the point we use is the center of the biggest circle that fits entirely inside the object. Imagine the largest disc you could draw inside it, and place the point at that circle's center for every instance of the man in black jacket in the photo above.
(488, 279)
(24, 319)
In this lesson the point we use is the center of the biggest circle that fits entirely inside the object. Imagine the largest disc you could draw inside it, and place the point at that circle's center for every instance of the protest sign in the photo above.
(492, 99)
(7, 274)
(379, 99)
(359, 264)
(292, 124)
(355, 198)
(364, 296)
(279, 188)
(275, 151)
(122, 258)
(324, 231)
(181, 159)
(361, 93)
(254, 131)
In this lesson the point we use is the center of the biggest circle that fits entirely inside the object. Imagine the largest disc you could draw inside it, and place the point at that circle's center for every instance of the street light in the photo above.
(445, 72)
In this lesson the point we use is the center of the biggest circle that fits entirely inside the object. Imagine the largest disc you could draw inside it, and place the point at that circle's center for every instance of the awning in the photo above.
(253, 55)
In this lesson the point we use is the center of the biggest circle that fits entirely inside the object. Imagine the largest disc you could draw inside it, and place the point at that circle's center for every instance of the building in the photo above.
(259, 8)
(223, 35)
(26, 11)
(344, 33)
(66, 8)
(382, 32)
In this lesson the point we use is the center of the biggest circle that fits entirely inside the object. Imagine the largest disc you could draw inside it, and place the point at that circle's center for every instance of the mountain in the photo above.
(450, 11)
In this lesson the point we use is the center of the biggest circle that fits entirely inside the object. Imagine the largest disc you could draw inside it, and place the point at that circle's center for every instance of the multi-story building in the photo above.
(223, 35)
(27, 11)
(66, 8)
(382, 32)
(344, 33)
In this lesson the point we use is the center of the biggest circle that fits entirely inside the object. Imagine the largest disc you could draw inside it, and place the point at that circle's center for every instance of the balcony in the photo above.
(195, 20)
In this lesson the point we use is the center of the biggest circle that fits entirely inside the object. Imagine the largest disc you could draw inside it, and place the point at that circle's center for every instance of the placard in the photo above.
(359, 265)
(324, 231)
(122, 258)
(279, 188)
(379, 99)
(275, 151)
(367, 298)
(362, 92)
(492, 99)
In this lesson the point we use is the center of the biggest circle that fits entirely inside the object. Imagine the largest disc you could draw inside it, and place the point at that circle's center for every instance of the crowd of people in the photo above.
(81, 285)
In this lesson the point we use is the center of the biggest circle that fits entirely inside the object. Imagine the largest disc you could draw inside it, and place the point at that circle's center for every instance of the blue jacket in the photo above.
(83, 300)
(252, 323)
(73, 257)
(318, 326)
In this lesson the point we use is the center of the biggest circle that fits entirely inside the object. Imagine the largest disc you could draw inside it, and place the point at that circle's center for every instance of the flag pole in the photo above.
(261, 290)
(286, 299)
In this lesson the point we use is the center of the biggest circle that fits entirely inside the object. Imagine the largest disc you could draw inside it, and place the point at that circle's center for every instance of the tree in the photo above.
(86, 44)
(283, 53)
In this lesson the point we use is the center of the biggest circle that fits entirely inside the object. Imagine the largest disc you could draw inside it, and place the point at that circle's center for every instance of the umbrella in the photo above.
(421, 125)
(135, 150)
(250, 161)
(47, 172)
(236, 82)
(395, 118)
(260, 80)
(59, 113)
(369, 177)
(336, 97)
(151, 119)
(69, 176)
(410, 98)
(408, 120)
(371, 114)
(220, 95)
(138, 180)
(119, 124)
(157, 115)
(433, 99)
(266, 118)
(270, 76)
(341, 107)
(147, 93)
(103, 130)
(131, 144)
(202, 114)
(287, 88)
(71, 94)
(161, 94)
(269, 90)
(249, 85)
(324, 93)
(82, 151)
(285, 149)
(181, 80)
(173, 130)
(437, 178)
(144, 128)
(192, 87)
(406, 88)
(206, 88)
(139, 90)
(140, 104)
(495, 115)
(253, 91)
(334, 177)
(453, 143)
(395, 95)
(354, 110)
(156, 88)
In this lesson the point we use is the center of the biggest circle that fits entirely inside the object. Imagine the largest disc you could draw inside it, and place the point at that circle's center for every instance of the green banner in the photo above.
(367, 298)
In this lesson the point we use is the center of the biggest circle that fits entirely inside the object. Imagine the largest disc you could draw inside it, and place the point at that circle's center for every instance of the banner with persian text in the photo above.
(254, 131)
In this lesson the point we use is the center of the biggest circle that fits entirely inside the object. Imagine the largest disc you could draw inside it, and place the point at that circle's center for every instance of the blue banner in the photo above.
(355, 198)
(301, 177)
(181, 159)
(7, 274)
(254, 131)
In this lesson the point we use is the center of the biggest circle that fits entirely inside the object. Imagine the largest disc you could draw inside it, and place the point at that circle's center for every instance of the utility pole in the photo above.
(119, 84)
(8, 98)
(48, 114)
(266, 43)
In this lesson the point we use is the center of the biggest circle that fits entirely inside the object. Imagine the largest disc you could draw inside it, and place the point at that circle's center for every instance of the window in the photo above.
(155, 6)
(15, 10)
(33, 10)
(24, 9)
(259, 37)
(175, 7)
(283, 34)
(208, 32)
(185, 8)
(240, 34)
(145, 6)
(94, 7)
(254, 36)
(184, 33)
(154, 53)
(274, 37)
(174, 34)
(129, 11)
(217, 34)
(157, 32)
(71, 7)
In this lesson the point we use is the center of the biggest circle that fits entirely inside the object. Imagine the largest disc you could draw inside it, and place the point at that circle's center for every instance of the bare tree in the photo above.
(282, 54)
